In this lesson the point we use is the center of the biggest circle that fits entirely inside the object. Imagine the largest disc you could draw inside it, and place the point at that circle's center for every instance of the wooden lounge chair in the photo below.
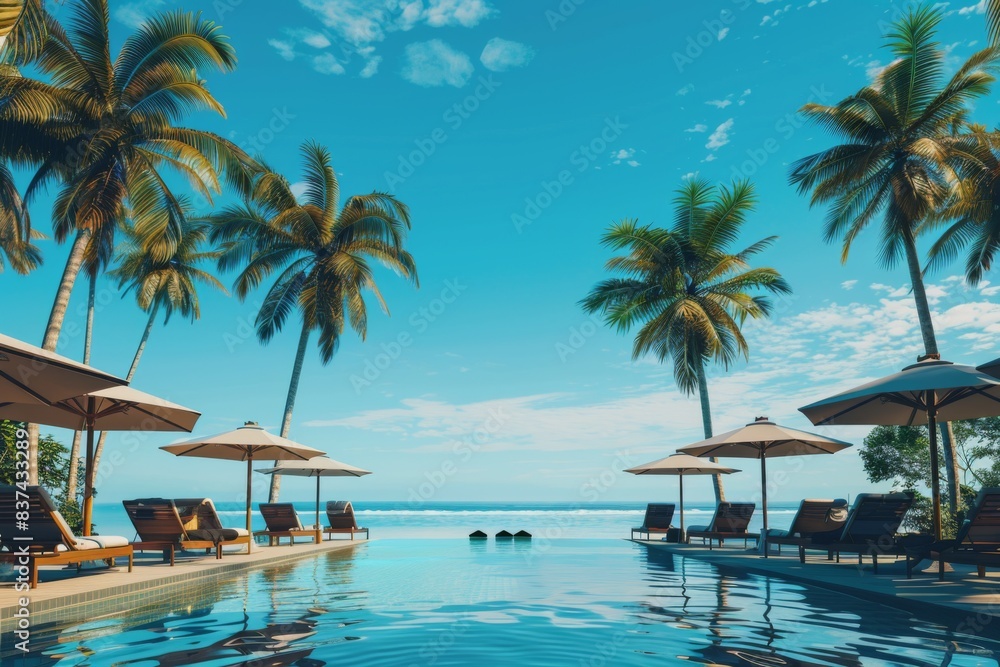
(730, 521)
(815, 520)
(340, 514)
(283, 521)
(657, 520)
(977, 542)
(166, 525)
(52, 542)
(870, 528)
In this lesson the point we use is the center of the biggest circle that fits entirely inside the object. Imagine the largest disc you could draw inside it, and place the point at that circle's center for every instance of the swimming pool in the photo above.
(565, 602)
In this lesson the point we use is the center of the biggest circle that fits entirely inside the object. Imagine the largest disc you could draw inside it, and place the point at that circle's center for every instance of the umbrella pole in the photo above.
(680, 538)
(88, 472)
(319, 536)
(763, 498)
(249, 502)
(935, 481)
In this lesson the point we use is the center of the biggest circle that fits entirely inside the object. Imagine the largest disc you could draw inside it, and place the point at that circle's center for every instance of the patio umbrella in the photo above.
(930, 389)
(763, 439)
(320, 466)
(112, 409)
(245, 443)
(680, 465)
(29, 374)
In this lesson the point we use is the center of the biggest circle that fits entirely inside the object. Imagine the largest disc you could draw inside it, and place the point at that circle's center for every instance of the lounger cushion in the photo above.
(96, 542)
(698, 529)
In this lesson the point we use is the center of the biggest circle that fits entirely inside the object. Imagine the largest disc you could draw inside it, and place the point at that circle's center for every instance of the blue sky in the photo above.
(516, 133)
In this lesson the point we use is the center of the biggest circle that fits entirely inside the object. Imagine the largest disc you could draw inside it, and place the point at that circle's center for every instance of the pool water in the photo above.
(565, 602)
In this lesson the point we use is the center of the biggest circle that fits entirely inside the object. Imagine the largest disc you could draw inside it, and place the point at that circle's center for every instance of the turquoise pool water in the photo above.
(455, 602)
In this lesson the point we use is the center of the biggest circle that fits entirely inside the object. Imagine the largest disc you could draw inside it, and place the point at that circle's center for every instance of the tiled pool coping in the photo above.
(977, 598)
(99, 592)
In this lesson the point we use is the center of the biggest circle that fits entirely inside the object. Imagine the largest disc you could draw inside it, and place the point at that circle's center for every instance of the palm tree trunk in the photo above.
(88, 338)
(930, 347)
(131, 374)
(706, 420)
(56, 317)
(293, 389)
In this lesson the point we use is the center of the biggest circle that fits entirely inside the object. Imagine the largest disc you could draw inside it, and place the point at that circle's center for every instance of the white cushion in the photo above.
(242, 532)
(100, 542)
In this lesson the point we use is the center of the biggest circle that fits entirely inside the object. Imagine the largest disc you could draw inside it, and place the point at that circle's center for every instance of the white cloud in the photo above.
(501, 55)
(720, 137)
(978, 8)
(371, 67)
(434, 63)
(285, 49)
(688, 176)
(134, 14)
(327, 64)
(699, 127)
(626, 155)
(719, 104)
(685, 90)
(849, 284)
(722, 34)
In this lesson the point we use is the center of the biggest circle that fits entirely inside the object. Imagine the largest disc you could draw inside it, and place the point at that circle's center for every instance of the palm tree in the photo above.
(321, 252)
(897, 159)
(105, 130)
(22, 30)
(16, 234)
(685, 290)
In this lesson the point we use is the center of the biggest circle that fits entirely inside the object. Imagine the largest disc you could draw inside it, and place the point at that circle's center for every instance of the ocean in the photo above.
(458, 519)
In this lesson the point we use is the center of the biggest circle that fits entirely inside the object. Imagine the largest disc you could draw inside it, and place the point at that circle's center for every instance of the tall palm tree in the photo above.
(105, 130)
(686, 290)
(321, 252)
(897, 159)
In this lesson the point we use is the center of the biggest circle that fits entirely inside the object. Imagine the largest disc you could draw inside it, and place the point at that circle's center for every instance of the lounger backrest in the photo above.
(280, 516)
(658, 516)
(340, 514)
(198, 513)
(982, 529)
(155, 520)
(819, 516)
(875, 516)
(732, 517)
(45, 524)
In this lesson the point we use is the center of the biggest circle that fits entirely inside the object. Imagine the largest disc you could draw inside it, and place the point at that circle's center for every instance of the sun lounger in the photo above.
(340, 515)
(730, 521)
(815, 520)
(657, 520)
(52, 541)
(977, 542)
(870, 528)
(166, 525)
(283, 521)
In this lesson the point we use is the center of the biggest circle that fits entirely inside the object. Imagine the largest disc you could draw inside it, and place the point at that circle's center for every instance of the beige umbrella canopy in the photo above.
(681, 465)
(246, 443)
(929, 390)
(763, 439)
(320, 466)
(113, 409)
(29, 374)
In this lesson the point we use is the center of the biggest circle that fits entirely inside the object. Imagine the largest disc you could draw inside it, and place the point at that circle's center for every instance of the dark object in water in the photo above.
(522, 534)
(478, 535)
(504, 535)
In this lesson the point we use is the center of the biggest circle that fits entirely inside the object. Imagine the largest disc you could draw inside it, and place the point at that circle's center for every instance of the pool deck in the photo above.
(977, 598)
(96, 591)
